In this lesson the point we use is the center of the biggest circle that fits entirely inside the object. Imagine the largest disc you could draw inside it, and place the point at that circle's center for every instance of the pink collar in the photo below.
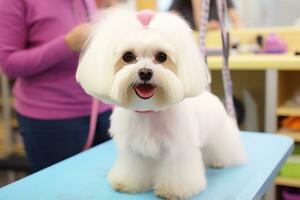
(145, 111)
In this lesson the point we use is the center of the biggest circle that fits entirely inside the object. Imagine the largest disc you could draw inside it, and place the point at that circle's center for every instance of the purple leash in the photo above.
(227, 82)
(95, 103)
(203, 25)
(203, 30)
(93, 123)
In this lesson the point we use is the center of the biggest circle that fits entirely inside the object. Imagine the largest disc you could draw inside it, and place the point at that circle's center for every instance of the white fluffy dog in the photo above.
(166, 126)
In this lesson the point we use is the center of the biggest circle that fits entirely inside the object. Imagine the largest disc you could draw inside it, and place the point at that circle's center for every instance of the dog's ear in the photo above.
(95, 71)
(192, 69)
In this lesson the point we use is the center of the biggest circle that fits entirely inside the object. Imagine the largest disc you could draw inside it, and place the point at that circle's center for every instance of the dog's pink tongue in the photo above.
(145, 91)
(145, 17)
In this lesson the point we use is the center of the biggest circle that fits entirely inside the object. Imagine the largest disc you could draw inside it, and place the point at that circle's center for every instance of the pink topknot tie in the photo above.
(145, 17)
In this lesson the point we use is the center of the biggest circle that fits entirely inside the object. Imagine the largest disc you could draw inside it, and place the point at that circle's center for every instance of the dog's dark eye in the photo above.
(129, 57)
(161, 57)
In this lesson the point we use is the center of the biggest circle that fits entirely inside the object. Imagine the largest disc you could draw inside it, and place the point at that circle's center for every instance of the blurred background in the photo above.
(265, 69)
(256, 13)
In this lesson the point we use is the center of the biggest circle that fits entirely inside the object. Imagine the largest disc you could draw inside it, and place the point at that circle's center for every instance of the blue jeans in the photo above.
(50, 141)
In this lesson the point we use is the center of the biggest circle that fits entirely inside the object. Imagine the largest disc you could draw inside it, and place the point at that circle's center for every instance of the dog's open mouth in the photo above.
(144, 90)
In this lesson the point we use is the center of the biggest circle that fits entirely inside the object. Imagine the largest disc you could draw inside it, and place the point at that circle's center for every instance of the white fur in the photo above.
(164, 150)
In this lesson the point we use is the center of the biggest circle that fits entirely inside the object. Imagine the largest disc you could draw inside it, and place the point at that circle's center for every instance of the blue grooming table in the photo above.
(84, 176)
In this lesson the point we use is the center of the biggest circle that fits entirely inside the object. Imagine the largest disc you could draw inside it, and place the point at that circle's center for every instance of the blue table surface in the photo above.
(84, 176)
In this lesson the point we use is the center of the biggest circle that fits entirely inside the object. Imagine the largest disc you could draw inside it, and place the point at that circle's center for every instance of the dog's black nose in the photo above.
(145, 74)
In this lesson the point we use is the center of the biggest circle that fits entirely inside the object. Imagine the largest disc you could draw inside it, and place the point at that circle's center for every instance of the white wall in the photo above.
(259, 13)
(164, 4)
(131, 3)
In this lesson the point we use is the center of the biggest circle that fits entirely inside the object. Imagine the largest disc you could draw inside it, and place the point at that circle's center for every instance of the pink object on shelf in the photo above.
(288, 195)
(273, 44)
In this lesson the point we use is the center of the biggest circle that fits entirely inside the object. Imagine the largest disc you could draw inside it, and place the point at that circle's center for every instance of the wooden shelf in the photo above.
(257, 62)
(286, 181)
(295, 135)
(11, 101)
(17, 147)
(15, 122)
(287, 110)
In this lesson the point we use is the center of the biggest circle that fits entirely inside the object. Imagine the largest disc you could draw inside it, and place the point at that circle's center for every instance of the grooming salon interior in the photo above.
(55, 115)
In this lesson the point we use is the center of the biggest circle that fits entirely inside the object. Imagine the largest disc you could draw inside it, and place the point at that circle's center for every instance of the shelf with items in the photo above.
(288, 123)
(14, 122)
(289, 176)
(288, 101)
(281, 74)
(288, 110)
(17, 148)
(287, 181)
(293, 134)
(288, 93)
(256, 62)
(11, 101)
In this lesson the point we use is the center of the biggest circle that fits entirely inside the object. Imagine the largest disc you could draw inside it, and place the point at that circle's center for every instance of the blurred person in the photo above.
(40, 43)
(191, 11)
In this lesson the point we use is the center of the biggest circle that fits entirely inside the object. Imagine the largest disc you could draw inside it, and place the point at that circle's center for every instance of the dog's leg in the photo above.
(131, 173)
(180, 175)
(224, 147)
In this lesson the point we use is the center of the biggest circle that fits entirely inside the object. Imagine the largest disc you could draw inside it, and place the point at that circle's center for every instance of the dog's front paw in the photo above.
(124, 187)
(166, 195)
(216, 164)
(178, 193)
(221, 163)
(122, 184)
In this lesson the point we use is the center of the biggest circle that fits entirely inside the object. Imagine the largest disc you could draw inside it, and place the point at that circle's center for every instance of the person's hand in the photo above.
(238, 24)
(77, 37)
(106, 3)
(213, 25)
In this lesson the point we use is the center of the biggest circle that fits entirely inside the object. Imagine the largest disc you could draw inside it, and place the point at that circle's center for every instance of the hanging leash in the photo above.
(227, 82)
(202, 33)
(203, 26)
(93, 124)
(95, 103)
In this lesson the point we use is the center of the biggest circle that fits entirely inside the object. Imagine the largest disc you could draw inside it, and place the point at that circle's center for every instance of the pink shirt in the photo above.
(33, 51)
